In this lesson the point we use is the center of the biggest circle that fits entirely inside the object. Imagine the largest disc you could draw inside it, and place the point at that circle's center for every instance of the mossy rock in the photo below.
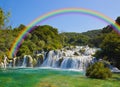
(76, 54)
(60, 61)
(38, 60)
(82, 50)
(34, 62)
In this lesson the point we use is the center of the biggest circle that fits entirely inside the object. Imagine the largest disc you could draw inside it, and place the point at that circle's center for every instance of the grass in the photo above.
(52, 78)
(78, 81)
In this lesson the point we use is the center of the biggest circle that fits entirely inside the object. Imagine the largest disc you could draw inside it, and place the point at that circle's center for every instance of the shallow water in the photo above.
(28, 77)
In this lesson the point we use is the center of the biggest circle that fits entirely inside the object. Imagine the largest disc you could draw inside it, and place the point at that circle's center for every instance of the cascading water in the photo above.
(79, 62)
(5, 61)
(51, 60)
(24, 64)
(67, 58)
(14, 61)
(10, 63)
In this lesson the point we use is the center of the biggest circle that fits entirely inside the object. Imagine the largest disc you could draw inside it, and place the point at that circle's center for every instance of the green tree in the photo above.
(23, 50)
(71, 38)
(111, 48)
(21, 27)
(3, 18)
(118, 20)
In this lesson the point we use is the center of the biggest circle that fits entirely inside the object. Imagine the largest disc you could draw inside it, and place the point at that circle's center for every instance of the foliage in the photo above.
(111, 48)
(118, 20)
(96, 41)
(42, 37)
(99, 71)
(107, 29)
(3, 18)
(46, 37)
(72, 38)
(93, 33)
(109, 42)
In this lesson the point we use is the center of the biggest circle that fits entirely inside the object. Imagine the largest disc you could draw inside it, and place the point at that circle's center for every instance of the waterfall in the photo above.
(10, 63)
(24, 63)
(77, 57)
(80, 62)
(69, 63)
(14, 61)
(5, 62)
(69, 59)
(51, 60)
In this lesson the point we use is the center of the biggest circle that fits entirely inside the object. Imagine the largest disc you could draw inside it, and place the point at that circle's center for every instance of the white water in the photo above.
(24, 64)
(65, 59)
(52, 60)
(5, 61)
(72, 59)
(80, 62)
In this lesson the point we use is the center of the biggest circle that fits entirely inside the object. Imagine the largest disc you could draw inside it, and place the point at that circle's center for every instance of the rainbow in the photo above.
(40, 19)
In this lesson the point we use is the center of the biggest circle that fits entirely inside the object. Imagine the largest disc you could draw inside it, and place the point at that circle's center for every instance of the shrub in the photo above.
(99, 71)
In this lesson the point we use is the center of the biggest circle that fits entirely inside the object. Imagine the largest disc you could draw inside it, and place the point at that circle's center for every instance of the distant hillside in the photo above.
(93, 33)
(85, 38)
(92, 38)
(72, 38)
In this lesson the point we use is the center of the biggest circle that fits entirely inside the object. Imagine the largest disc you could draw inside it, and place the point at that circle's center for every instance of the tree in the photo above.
(21, 26)
(118, 20)
(96, 41)
(111, 48)
(23, 50)
(73, 38)
(3, 18)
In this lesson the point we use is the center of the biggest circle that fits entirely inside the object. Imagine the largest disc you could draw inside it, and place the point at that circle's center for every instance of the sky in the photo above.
(25, 11)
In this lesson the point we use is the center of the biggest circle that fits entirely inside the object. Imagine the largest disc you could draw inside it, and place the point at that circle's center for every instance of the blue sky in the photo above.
(24, 11)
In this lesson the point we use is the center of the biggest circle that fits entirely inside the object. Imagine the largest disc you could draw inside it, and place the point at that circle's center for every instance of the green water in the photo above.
(28, 77)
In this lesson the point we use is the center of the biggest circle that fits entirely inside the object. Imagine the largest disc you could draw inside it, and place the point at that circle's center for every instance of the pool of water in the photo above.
(27, 77)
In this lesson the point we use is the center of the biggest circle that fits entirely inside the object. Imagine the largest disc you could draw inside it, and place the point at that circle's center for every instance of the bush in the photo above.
(99, 71)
